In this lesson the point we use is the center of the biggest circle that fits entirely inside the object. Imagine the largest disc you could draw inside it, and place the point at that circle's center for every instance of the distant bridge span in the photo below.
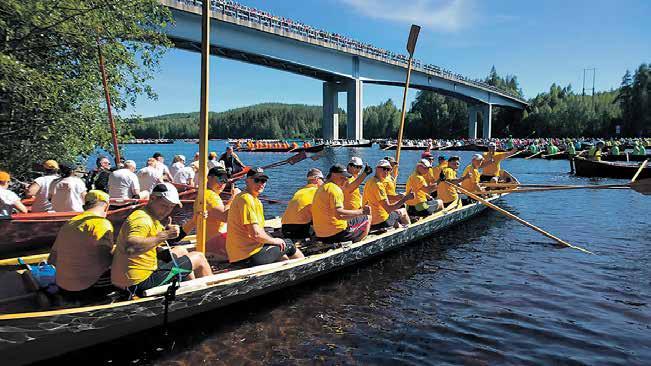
(249, 36)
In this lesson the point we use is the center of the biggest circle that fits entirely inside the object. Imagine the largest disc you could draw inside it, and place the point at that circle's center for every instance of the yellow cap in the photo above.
(51, 164)
(96, 195)
(4, 176)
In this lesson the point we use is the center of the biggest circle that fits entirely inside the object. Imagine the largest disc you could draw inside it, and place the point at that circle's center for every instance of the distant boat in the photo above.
(607, 169)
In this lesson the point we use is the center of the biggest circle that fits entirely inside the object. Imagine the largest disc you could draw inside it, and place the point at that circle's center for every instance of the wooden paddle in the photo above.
(516, 218)
(534, 155)
(559, 188)
(639, 170)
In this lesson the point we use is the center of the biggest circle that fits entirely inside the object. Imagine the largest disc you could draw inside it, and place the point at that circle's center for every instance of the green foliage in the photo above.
(51, 96)
(635, 102)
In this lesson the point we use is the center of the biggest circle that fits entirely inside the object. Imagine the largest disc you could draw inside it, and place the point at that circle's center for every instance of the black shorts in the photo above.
(354, 231)
(389, 223)
(297, 231)
(486, 178)
(164, 274)
(412, 211)
(446, 205)
(267, 254)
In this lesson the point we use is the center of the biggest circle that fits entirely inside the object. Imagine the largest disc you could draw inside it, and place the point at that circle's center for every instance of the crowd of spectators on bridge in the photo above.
(242, 12)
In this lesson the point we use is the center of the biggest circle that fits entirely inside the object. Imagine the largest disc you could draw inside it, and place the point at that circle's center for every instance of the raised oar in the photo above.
(512, 216)
(639, 170)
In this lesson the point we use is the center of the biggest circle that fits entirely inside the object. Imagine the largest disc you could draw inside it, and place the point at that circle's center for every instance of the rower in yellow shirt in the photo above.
(491, 167)
(332, 222)
(435, 171)
(247, 243)
(472, 177)
(422, 204)
(352, 195)
(384, 214)
(297, 219)
(445, 189)
(390, 181)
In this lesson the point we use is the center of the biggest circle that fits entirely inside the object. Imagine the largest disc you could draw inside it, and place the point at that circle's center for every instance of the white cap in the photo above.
(425, 162)
(182, 157)
(492, 144)
(130, 163)
(477, 157)
(383, 163)
(167, 191)
(356, 161)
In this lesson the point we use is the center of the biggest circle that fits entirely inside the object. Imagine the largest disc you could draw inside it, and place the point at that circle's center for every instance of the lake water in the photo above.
(488, 291)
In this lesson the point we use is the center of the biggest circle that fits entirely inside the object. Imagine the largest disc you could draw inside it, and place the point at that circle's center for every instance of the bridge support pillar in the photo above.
(354, 110)
(330, 111)
(472, 121)
(487, 120)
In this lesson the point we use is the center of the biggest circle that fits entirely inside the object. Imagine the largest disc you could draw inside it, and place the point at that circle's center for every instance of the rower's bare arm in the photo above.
(343, 214)
(350, 187)
(32, 190)
(388, 207)
(259, 235)
(137, 245)
(20, 207)
(218, 213)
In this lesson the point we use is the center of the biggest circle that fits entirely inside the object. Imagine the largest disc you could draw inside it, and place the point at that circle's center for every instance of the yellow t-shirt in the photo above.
(417, 184)
(445, 191)
(435, 171)
(390, 185)
(374, 194)
(327, 198)
(471, 183)
(128, 271)
(245, 210)
(493, 169)
(299, 209)
(213, 226)
(352, 200)
(82, 251)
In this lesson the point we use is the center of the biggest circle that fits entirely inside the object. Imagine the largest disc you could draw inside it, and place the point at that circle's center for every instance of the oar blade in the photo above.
(642, 186)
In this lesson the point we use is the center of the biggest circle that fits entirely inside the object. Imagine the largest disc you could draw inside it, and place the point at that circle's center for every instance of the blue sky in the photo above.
(540, 42)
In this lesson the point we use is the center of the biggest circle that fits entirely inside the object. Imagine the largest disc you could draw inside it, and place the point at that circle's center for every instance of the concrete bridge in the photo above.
(344, 65)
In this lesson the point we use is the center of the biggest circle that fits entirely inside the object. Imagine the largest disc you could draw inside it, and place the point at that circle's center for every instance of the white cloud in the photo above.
(442, 15)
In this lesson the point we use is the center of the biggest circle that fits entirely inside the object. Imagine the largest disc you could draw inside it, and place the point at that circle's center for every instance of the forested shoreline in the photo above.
(561, 111)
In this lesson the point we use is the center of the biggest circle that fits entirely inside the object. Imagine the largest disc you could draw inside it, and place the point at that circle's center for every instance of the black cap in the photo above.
(441, 157)
(391, 160)
(157, 155)
(217, 171)
(340, 169)
(453, 158)
(256, 173)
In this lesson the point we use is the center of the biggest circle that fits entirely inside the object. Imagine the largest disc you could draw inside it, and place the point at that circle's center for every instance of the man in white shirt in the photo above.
(160, 165)
(149, 176)
(177, 164)
(8, 199)
(187, 174)
(123, 183)
(40, 188)
(67, 193)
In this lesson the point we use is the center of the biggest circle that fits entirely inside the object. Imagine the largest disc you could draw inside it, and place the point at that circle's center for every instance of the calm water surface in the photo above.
(488, 291)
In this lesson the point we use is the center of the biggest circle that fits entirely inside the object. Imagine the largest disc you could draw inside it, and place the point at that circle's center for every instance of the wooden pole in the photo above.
(203, 125)
(107, 95)
(639, 170)
(411, 47)
(512, 216)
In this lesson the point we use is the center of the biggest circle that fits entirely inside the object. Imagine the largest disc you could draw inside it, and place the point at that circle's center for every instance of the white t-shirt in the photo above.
(175, 168)
(7, 201)
(162, 168)
(66, 195)
(184, 175)
(148, 177)
(41, 201)
(123, 183)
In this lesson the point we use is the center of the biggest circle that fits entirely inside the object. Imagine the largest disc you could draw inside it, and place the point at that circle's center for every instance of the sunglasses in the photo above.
(222, 178)
(384, 168)
(355, 166)
(259, 180)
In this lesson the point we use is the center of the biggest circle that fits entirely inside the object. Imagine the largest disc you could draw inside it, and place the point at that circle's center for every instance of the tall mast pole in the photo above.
(107, 95)
(203, 124)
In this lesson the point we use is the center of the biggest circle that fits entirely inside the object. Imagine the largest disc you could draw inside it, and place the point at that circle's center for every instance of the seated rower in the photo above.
(491, 168)
(40, 188)
(332, 222)
(123, 182)
(595, 152)
(435, 171)
(137, 265)
(297, 219)
(352, 195)
(247, 243)
(445, 188)
(8, 199)
(472, 177)
(82, 250)
(421, 204)
(217, 215)
(384, 214)
(390, 182)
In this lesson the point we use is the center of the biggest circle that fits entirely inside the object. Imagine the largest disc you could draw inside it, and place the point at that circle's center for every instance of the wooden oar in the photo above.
(554, 154)
(534, 155)
(560, 188)
(642, 186)
(516, 218)
(639, 170)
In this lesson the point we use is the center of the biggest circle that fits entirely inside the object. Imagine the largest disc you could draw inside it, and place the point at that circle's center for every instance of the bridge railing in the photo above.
(241, 12)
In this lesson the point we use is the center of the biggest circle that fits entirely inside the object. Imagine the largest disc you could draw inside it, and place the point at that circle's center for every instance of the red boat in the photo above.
(32, 230)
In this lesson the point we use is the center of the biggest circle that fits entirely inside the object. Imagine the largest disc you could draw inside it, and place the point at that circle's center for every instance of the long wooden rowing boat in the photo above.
(28, 231)
(315, 148)
(32, 336)
(607, 169)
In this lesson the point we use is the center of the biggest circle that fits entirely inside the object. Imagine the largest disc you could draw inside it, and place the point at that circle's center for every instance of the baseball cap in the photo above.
(477, 157)
(355, 161)
(95, 195)
(314, 172)
(453, 158)
(167, 191)
(442, 158)
(492, 144)
(425, 163)
(4, 176)
(213, 154)
(182, 157)
(51, 164)
(426, 154)
(391, 160)
(339, 169)
(156, 155)
(383, 164)
(256, 173)
(217, 171)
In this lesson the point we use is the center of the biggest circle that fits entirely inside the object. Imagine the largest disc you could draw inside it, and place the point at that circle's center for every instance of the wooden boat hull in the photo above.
(27, 339)
(622, 157)
(589, 168)
(315, 148)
